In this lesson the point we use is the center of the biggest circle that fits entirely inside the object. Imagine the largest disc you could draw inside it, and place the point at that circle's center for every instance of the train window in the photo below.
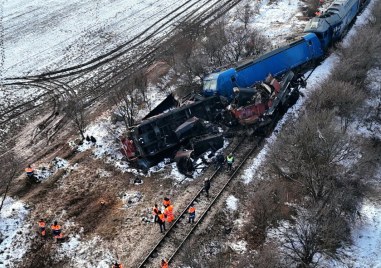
(210, 84)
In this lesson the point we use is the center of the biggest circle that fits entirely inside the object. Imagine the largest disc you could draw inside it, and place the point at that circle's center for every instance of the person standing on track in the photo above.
(57, 232)
(166, 202)
(219, 161)
(168, 212)
(230, 161)
(192, 213)
(161, 221)
(42, 226)
(155, 213)
(164, 263)
(206, 186)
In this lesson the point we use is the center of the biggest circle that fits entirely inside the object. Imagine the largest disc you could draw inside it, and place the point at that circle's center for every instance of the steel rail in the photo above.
(183, 213)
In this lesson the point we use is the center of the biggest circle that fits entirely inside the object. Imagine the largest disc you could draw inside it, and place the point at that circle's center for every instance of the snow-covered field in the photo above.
(46, 35)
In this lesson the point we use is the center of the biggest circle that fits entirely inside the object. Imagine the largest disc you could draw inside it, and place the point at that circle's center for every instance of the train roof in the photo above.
(331, 17)
(246, 63)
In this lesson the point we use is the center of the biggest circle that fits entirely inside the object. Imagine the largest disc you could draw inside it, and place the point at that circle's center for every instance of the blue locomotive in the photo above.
(332, 25)
(321, 32)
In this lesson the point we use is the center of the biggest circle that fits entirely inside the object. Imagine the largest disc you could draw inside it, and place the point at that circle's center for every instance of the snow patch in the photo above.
(14, 232)
(82, 253)
(239, 246)
(232, 203)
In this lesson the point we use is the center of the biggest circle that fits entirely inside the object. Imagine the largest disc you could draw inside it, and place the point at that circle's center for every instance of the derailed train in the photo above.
(244, 95)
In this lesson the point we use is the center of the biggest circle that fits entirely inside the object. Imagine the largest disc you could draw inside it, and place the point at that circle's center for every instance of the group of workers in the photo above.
(219, 161)
(167, 215)
(55, 227)
(160, 217)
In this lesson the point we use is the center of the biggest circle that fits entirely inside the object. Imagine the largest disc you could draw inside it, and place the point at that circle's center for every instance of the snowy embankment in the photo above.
(365, 251)
(15, 232)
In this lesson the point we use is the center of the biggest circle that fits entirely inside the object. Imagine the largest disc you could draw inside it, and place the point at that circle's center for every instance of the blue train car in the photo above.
(275, 62)
(333, 23)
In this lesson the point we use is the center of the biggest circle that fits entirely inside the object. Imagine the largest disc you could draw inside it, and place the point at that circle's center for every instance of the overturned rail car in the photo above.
(162, 135)
(257, 106)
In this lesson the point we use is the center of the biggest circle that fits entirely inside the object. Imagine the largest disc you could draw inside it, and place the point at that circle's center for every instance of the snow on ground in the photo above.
(365, 129)
(278, 20)
(14, 232)
(366, 236)
(85, 253)
(49, 34)
(239, 246)
(232, 203)
(366, 249)
(45, 171)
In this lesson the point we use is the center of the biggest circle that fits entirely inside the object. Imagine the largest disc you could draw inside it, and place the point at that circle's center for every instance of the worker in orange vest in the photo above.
(117, 265)
(155, 212)
(42, 225)
(57, 232)
(164, 264)
(192, 213)
(168, 211)
(161, 221)
(166, 202)
(30, 173)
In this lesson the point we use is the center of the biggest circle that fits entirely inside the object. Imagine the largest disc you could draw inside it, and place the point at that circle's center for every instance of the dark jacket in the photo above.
(207, 185)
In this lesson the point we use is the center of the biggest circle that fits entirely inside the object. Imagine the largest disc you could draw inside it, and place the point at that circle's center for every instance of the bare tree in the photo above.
(311, 152)
(213, 42)
(244, 12)
(359, 57)
(312, 233)
(342, 97)
(263, 212)
(243, 42)
(124, 98)
(75, 111)
(10, 165)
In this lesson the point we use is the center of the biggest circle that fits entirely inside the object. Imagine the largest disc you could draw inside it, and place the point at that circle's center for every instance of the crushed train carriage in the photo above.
(253, 102)
(185, 133)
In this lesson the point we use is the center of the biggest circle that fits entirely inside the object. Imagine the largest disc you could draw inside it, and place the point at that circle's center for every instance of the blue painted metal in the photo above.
(276, 62)
(333, 23)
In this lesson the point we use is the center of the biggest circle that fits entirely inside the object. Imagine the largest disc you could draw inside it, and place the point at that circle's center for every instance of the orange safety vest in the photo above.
(164, 265)
(155, 211)
(42, 224)
(169, 213)
(29, 170)
(56, 227)
(56, 231)
(191, 210)
(162, 217)
(166, 203)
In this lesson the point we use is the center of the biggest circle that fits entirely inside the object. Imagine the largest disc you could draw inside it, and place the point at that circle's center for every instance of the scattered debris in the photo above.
(131, 199)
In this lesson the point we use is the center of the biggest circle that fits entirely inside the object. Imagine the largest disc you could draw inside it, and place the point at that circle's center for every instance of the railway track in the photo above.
(110, 75)
(180, 231)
